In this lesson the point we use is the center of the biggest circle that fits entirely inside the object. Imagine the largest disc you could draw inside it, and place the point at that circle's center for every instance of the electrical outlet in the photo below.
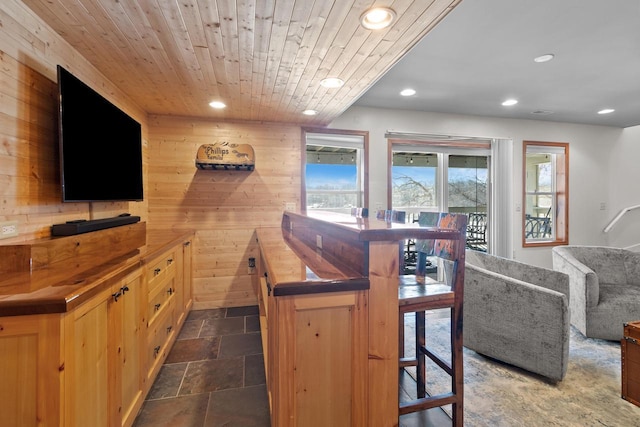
(8, 229)
(289, 206)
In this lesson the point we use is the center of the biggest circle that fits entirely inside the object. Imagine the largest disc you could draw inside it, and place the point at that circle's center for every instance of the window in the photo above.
(334, 170)
(448, 176)
(413, 181)
(546, 193)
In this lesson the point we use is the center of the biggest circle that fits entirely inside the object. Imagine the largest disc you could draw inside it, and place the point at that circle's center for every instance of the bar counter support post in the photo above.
(383, 333)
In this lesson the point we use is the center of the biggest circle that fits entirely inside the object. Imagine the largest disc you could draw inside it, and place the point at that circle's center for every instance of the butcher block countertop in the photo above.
(57, 274)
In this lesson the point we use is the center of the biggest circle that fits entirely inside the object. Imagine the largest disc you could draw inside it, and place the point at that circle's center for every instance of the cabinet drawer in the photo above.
(159, 334)
(159, 297)
(161, 268)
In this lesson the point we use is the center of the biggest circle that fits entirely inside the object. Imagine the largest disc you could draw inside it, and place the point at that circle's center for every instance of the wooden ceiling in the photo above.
(263, 58)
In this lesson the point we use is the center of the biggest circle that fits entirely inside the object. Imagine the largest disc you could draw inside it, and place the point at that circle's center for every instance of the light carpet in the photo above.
(497, 394)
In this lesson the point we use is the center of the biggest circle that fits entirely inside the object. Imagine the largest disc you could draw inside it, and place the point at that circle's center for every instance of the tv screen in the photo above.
(100, 146)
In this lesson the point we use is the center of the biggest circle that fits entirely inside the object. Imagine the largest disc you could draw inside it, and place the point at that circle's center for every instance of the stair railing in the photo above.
(620, 215)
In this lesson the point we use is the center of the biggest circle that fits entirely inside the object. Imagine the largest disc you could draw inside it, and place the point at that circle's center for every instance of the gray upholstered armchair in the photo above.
(517, 313)
(605, 288)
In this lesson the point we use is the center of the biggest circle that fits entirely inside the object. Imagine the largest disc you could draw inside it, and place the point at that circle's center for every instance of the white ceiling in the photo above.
(265, 58)
(482, 53)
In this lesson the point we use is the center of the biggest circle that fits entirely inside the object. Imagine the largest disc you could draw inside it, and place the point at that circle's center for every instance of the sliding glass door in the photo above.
(467, 183)
(447, 178)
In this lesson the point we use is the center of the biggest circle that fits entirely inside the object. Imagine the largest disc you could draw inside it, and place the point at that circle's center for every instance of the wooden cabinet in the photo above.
(93, 361)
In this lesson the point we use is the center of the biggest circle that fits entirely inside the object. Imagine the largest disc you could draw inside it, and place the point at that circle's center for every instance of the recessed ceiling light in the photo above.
(544, 58)
(377, 18)
(332, 82)
(309, 112)
(408, 92)
(217, 104)
(510, 102)
(606, 111)
(542, 112)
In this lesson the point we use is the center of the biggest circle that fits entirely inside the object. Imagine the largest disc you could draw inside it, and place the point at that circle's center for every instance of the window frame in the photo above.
(560, 194)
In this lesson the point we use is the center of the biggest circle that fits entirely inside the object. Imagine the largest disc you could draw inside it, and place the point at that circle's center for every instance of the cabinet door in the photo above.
(30, 370)
(86, 367)
(310, 335)
(126, 326)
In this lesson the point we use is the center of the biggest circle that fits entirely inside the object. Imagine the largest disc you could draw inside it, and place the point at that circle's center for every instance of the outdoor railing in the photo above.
(537, 227)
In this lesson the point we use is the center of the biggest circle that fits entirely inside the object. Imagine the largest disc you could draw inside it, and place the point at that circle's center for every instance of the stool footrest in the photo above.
(406, 362)
(428, 402)
(409, 305)
(443, 364)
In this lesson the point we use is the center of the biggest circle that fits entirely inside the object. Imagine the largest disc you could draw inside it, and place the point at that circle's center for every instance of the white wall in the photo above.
(624, 187)
(590, 149)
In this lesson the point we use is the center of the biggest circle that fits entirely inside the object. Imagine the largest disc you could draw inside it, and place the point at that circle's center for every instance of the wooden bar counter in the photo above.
(328, 298)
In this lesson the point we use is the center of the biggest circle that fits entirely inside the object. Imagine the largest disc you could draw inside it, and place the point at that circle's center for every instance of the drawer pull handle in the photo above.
(124, 289)
(169, 328)
(268, 289)
(170, 291)
(156, 271)
(169, 261)
(156, 307)
(156, 351)
(187, 243)
(116, 296)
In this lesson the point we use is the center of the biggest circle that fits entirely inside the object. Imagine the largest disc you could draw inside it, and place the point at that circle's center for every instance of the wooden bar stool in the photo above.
(423, 249)
(360, 212)
(418, 296)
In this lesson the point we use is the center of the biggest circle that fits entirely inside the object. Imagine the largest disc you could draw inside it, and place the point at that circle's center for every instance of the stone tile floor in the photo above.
(214, 376)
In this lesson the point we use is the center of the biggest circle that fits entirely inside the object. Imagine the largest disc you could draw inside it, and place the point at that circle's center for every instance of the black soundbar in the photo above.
(84, 226)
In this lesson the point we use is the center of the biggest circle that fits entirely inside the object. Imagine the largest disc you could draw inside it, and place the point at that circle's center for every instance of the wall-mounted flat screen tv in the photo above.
(100, 146)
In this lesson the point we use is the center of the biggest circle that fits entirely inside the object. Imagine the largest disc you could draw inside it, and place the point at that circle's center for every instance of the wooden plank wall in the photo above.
(224, 207)
(29, 172)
